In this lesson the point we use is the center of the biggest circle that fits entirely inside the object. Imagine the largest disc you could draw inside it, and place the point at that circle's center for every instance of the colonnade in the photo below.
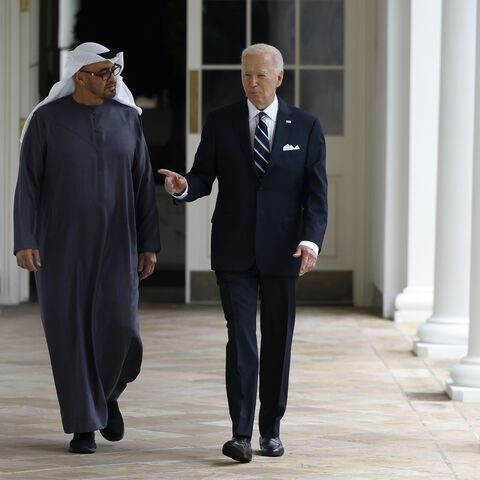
(452, 314)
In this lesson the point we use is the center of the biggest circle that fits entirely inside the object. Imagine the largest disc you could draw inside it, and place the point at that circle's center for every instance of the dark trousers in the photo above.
(239, 293)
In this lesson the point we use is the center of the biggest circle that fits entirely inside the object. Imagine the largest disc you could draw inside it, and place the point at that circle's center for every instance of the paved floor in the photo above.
(361, 406)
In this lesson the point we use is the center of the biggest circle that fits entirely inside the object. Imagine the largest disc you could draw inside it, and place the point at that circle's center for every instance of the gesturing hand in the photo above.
(25, 259)
(309, 259)
(175, 184)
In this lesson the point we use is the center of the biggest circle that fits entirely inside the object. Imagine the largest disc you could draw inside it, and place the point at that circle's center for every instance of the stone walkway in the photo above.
(361, 405)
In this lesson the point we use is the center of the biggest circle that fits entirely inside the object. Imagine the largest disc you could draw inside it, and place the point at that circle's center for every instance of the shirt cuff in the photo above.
(182, 196)
(311, 245)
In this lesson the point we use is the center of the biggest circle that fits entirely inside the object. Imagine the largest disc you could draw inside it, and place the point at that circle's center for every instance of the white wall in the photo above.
(379, 164)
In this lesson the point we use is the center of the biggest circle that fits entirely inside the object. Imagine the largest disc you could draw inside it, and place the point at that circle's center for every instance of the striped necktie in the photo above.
(261, 146)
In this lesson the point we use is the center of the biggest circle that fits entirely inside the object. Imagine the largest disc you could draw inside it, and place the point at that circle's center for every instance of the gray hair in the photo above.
(257, 48)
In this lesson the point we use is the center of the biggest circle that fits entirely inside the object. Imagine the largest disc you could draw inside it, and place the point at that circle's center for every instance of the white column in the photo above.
(18, 92)
(465, 384)
(415, 303)
(10, 278)
(390, 169)
(445, 333)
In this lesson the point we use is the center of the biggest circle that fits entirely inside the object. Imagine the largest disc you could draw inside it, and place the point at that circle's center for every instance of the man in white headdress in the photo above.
(86, 223)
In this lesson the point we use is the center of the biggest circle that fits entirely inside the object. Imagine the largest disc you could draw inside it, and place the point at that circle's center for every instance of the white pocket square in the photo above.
(289, 147)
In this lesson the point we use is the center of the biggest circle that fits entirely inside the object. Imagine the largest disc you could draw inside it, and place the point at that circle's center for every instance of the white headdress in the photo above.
(85, 54)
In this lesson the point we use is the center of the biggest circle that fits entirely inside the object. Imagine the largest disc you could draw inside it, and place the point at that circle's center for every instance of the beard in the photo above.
(110, 91)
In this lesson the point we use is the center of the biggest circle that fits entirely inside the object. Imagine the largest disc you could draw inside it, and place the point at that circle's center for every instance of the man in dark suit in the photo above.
(268, 226)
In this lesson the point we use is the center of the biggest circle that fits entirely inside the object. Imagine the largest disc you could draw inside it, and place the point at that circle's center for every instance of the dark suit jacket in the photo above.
(261, 222)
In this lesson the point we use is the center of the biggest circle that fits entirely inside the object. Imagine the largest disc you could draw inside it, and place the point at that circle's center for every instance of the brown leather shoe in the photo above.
(238, 448)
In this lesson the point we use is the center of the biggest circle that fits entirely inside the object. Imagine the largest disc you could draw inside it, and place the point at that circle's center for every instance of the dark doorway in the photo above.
(152, 36)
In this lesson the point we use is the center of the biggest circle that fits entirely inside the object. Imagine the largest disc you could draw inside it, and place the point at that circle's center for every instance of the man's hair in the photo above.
(264, 48)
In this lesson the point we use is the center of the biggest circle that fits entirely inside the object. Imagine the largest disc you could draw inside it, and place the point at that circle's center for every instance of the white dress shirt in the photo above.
(270, 119)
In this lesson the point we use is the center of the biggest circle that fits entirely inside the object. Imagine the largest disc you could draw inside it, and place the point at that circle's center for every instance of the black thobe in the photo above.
(85, 198)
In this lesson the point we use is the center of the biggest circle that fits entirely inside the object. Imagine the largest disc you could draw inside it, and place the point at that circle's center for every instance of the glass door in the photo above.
(325, 46)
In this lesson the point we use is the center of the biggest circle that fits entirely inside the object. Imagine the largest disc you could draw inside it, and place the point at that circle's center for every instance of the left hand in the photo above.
(309, 259)
(146, 264)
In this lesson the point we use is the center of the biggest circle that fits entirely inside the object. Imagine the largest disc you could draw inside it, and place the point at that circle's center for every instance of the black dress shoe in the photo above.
(115, 429)
(239, 449)
(271, 446)
(83, 443)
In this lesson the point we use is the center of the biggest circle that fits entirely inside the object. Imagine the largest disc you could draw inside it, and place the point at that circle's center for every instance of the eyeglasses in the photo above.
(105, 73)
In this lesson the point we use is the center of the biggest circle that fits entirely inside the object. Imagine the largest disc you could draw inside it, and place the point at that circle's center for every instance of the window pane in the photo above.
(220, 88)
(273, 22)
(322, 30)
(223, 31)
(321, 94)
(287, 90)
